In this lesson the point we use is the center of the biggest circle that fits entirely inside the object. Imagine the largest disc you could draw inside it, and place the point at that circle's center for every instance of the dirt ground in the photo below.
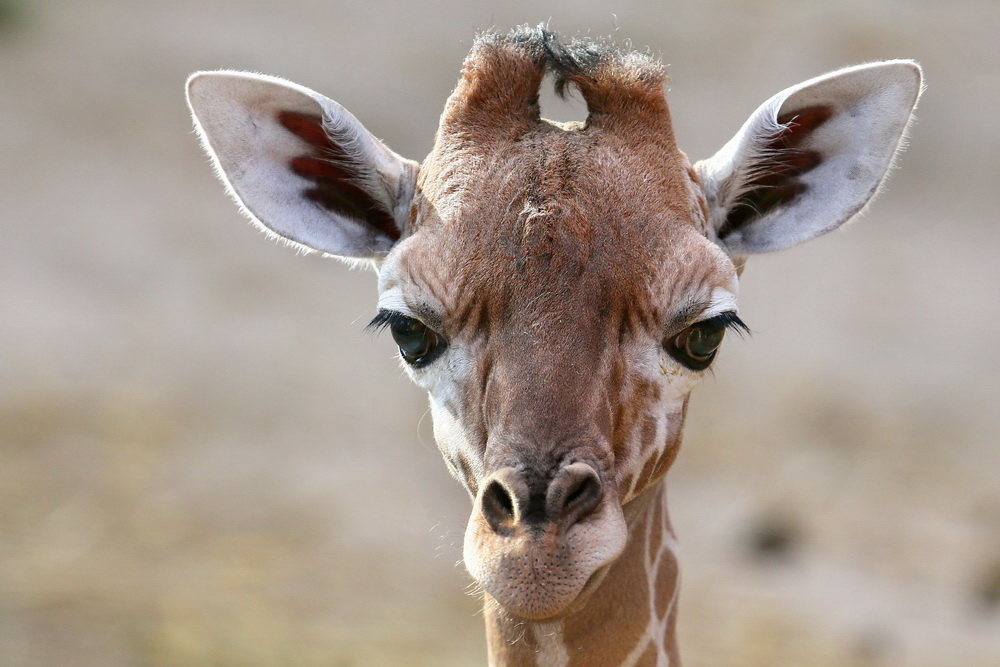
(205, 460)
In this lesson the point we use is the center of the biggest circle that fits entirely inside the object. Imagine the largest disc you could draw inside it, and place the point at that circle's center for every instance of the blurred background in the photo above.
(205, 460)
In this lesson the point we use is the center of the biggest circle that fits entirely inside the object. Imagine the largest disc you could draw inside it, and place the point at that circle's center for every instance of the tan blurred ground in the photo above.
(204, 460)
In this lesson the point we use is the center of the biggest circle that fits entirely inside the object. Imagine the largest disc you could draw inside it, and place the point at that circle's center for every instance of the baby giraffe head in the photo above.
(558, 289)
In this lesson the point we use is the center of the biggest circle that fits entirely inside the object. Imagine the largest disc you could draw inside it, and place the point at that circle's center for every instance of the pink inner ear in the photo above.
(336, 175)
(774, 178)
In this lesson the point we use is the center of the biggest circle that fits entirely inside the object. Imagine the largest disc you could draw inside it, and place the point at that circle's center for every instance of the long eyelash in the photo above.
(385, 319)
(730, 320)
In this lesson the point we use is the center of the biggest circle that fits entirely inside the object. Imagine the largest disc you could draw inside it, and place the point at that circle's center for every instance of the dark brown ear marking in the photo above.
(306, 127)
(799, 124)
(336, 175)
(773, 181)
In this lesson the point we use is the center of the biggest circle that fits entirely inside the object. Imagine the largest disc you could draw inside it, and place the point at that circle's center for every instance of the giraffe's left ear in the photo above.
(810, 158)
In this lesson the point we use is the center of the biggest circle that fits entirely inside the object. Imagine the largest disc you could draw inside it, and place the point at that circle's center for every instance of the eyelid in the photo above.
(392, 300)
(387, 317)
(727, 318)
(718, 301)
(730, 320)
(722, 301)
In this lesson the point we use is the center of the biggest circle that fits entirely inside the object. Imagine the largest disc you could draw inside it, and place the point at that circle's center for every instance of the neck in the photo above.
(630, 618)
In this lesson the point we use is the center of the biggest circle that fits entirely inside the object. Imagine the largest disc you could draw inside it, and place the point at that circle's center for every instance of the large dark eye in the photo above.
(695, 347)
(418, 344)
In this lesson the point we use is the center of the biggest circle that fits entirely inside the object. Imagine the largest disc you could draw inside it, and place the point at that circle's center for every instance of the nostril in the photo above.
(581, 489)
(574, 494)
(498, 507)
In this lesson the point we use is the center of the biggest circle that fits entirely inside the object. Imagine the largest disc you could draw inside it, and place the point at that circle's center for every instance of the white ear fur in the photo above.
(830, 173)
(236, 115)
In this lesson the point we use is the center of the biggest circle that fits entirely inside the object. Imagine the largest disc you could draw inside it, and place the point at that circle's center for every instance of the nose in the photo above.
(513, 499)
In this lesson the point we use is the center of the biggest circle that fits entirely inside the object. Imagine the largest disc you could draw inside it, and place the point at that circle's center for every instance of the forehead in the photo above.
(521, 217)
(561, 222)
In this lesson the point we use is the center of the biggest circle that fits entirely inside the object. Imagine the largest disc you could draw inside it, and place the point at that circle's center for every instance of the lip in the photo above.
(538, 579)
(571, 607)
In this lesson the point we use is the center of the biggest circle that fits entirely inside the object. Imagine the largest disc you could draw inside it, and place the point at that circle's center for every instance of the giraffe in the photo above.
(559, 289)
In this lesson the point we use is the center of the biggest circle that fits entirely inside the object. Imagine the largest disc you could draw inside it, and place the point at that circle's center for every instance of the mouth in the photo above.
(542, 575)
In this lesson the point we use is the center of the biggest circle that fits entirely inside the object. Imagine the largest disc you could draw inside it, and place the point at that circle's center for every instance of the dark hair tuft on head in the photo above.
(566, 60)
(508, 68)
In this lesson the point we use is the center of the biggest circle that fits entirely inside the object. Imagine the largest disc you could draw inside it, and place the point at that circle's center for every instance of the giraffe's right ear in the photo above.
(300, 165)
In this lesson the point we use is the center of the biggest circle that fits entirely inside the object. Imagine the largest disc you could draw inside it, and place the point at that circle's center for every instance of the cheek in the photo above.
(659, 450)
(654, 439)
(447, 383)
(462, 459)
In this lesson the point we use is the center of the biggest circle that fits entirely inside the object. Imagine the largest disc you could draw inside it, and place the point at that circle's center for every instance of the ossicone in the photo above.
(503, 74)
